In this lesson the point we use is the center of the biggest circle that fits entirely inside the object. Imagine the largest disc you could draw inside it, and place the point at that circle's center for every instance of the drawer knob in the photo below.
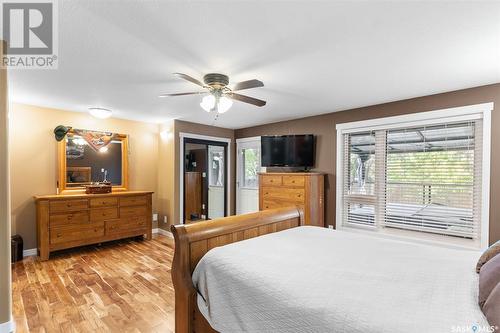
(70, 216)
(68, 205)
(293, 181)
(58, 235)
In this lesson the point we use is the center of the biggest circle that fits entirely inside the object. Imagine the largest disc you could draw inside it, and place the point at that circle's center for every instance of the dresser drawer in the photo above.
(134, 201)
(272, 204)
(292, 195)
(101, 214)
(62, 219)
(133, 211)
(76, 233)
(271, 180)
(125, 224)
(294, 181)
(103, 202)
(68, 205)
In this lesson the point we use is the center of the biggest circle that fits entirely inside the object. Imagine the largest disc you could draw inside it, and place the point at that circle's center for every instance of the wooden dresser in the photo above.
(65, 221)
(305, 189)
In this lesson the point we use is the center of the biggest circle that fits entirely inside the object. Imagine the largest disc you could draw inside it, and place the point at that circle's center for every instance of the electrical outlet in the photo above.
(165, 219)
(330, 226)
(155, 217)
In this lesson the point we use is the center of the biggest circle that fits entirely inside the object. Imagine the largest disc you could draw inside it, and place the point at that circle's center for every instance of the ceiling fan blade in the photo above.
(246, 99)
(189, 78)
(248, 85)
(183, 94)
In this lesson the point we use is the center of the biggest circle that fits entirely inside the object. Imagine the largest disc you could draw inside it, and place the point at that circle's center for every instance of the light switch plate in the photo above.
(155, 217)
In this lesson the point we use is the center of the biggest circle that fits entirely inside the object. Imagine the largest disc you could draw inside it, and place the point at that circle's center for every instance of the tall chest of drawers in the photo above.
(305, 190)
(66, 221)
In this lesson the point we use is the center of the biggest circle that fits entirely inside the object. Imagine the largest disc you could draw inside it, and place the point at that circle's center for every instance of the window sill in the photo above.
(417, 237)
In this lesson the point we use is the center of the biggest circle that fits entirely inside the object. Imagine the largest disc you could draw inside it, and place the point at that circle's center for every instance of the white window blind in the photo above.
(424, 179)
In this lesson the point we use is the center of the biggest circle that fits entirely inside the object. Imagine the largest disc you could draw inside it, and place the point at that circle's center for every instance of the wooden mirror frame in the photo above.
(61, 155)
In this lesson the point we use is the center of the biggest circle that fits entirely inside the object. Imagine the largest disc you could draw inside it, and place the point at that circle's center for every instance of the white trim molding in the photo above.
(182, 136)
(249, 139)
(163, 232)
(30, 252)
(8, 327)
(455, 114)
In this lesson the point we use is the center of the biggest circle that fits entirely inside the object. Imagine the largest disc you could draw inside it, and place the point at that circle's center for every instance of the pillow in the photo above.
(489, 278)
(492, 251)
(491, 308)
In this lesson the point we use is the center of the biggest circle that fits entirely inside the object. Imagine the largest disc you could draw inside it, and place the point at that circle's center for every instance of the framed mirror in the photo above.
(87, 157)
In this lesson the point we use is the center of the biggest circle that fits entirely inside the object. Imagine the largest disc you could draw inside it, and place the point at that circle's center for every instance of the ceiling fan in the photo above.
(220, 96)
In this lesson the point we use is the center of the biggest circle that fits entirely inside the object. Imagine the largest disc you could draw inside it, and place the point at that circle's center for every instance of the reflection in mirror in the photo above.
(85, 165)
(215, 182)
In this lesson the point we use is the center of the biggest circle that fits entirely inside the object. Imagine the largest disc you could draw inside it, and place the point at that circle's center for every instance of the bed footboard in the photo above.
(192, 241)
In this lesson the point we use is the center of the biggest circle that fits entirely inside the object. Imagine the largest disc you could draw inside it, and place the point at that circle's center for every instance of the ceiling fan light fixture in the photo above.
(224, 104)
(100, 113)
(208, 103)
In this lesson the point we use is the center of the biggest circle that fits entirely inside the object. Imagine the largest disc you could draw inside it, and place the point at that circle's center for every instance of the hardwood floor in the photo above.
(123, 286)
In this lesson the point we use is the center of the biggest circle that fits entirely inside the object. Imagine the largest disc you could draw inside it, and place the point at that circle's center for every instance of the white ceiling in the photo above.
(313, 56)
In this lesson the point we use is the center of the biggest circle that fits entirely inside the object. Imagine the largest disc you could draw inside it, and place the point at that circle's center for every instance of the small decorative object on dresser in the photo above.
(66, 221)
(99, 188)
(302, 189)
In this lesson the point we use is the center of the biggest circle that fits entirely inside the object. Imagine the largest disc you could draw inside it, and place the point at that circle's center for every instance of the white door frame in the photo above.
(239, 143)
(182, 136)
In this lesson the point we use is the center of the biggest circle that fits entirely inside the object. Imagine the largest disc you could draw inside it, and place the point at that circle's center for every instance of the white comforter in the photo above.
(312, 279)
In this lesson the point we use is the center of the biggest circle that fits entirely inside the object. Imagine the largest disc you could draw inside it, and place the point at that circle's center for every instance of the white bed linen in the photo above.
(311, 279)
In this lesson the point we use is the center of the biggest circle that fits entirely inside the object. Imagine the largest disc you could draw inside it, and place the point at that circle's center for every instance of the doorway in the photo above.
(205, 179)
(248, 166)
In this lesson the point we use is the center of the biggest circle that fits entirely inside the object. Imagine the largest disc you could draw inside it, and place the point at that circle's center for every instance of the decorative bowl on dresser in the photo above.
(301, 189)
(66, 221)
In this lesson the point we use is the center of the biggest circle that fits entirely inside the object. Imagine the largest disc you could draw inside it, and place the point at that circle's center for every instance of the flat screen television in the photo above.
(288, 150)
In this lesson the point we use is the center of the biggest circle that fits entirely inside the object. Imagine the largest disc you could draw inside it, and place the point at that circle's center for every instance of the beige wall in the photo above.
(166, 173)
(5, 273)
(34, 157)
(324, 127)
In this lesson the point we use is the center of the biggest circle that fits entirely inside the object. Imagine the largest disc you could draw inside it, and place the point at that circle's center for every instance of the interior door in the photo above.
(248, 166)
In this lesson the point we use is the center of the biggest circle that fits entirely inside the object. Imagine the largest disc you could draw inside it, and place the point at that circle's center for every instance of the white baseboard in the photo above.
(162, 232)
(8, 327)
(30, 252)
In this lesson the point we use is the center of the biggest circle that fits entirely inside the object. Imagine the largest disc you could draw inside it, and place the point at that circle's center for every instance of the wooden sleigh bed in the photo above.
(194, 240)
(255, 285)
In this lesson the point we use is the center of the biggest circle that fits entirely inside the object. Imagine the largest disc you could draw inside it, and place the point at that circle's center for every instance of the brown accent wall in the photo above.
(324, 127)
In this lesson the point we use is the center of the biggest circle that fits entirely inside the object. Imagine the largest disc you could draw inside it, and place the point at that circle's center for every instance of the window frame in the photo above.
(456, 114)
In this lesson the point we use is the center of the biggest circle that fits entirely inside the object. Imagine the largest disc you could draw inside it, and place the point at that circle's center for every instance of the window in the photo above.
(251, 167)
(421, 180)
